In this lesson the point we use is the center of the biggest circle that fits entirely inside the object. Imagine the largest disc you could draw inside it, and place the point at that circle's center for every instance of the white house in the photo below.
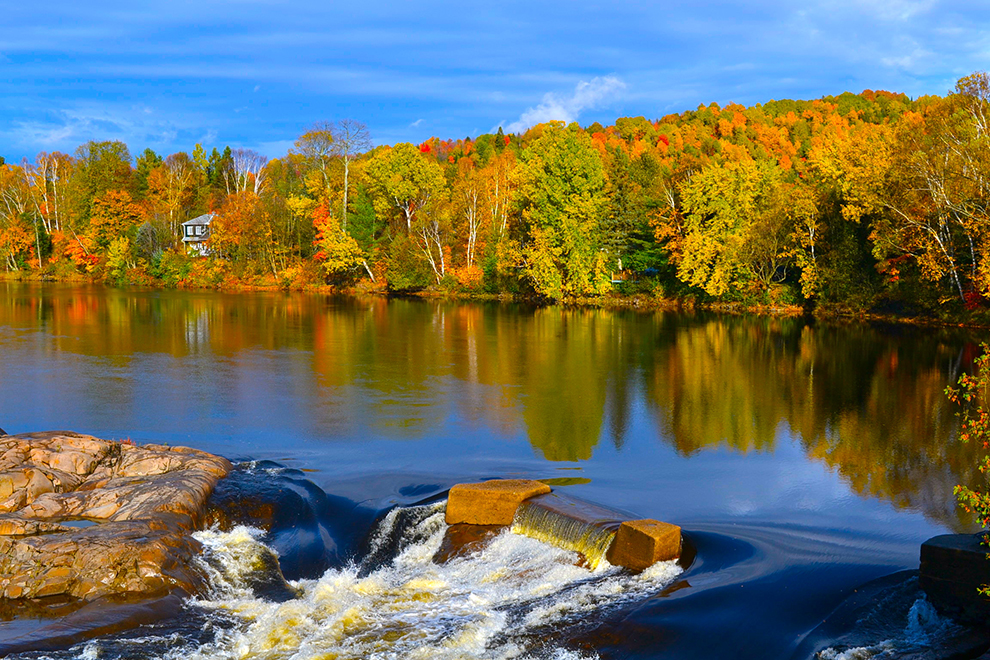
(195, 232)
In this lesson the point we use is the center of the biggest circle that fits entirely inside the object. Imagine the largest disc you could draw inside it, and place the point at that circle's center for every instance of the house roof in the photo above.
(204, 219)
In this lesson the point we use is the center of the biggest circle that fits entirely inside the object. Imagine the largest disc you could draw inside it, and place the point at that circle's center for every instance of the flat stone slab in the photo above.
(85, 518)
(490, 502)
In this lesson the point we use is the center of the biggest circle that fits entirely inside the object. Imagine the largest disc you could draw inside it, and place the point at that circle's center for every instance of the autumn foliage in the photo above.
(850, 202)
(973, 396)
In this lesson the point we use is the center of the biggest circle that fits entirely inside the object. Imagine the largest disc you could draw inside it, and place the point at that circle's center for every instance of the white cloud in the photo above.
(416, 123)
(587, 95)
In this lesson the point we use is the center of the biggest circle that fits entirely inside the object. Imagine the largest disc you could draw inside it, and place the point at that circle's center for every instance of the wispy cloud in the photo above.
(587, 95)
(65, 129)
(416, 123)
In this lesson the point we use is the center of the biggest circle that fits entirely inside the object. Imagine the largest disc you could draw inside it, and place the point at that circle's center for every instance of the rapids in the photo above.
(495, 604)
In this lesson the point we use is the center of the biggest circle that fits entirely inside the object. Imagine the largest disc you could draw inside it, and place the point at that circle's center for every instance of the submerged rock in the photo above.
(85, 518)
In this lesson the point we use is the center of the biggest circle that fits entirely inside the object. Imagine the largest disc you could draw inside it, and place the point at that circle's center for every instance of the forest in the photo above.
(850, 203)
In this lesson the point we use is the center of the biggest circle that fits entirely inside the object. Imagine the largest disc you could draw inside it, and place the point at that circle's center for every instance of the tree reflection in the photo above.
(867, 402)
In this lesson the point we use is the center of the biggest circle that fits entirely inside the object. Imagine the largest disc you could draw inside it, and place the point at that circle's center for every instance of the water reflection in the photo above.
(864, 401)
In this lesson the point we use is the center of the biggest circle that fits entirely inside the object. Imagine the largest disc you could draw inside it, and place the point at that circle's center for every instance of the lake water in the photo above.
(803, 460)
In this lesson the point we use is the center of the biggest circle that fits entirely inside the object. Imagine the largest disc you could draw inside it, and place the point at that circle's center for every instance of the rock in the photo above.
(490, 502)
(85, 518)
(641, 543)
(463, 539)
(953, 568)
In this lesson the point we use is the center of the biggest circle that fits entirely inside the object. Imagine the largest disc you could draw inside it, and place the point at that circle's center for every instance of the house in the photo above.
(195, 232)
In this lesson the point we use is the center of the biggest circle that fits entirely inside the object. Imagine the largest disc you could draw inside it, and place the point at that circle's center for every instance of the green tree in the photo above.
(563, 193)
(402, 180)
(147, 161)
(102, 166)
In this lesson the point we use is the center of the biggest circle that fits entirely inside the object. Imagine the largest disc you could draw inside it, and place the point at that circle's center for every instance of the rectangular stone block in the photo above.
(641, 543)
(490, 502)
(953, 568)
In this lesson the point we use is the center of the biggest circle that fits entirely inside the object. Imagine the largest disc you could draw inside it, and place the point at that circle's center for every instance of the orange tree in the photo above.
(337, 253)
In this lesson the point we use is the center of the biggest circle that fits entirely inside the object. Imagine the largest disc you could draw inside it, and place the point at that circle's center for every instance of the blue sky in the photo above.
(255, 73)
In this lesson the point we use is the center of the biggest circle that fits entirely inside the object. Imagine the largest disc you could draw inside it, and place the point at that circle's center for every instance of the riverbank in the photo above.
(643, 302)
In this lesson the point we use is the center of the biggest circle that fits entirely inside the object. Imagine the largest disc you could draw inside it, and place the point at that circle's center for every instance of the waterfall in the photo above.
(542, 518)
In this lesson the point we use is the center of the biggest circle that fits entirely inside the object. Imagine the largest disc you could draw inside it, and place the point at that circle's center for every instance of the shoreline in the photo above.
(637, 302)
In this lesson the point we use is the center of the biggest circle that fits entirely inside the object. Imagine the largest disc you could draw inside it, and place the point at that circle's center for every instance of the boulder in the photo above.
(953, 568)
(490, 502)
(641, 543)
(463, 539)
(85, 518)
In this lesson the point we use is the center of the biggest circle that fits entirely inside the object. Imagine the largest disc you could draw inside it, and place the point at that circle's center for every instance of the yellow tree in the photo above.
(936, 194)
(316, 146)
(737, 228)
(49, 180)
(469, 194)
(171, 186)
(241, 231)
(500, 190)
(337, 253)
(432, 229)
(853, 162)
(114, 215)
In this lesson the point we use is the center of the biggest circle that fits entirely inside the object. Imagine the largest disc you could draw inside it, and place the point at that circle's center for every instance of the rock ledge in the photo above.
(83, 517)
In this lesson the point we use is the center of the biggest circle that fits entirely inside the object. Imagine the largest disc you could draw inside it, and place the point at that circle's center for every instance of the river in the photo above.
(803, 460)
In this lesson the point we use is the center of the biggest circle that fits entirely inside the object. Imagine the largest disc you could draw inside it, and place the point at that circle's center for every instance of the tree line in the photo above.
(854, 201)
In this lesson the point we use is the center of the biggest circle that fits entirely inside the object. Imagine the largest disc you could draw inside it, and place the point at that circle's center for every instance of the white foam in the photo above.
(925, 630)
(229, 557)
(882, 650)
(488, 605)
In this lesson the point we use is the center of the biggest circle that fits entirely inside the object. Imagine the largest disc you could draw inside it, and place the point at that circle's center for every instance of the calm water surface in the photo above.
(802, 459)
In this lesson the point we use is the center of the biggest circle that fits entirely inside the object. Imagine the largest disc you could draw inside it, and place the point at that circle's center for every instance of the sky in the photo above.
(257, 73)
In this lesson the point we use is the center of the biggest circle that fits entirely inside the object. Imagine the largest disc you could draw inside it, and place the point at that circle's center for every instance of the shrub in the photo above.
(972, 396)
